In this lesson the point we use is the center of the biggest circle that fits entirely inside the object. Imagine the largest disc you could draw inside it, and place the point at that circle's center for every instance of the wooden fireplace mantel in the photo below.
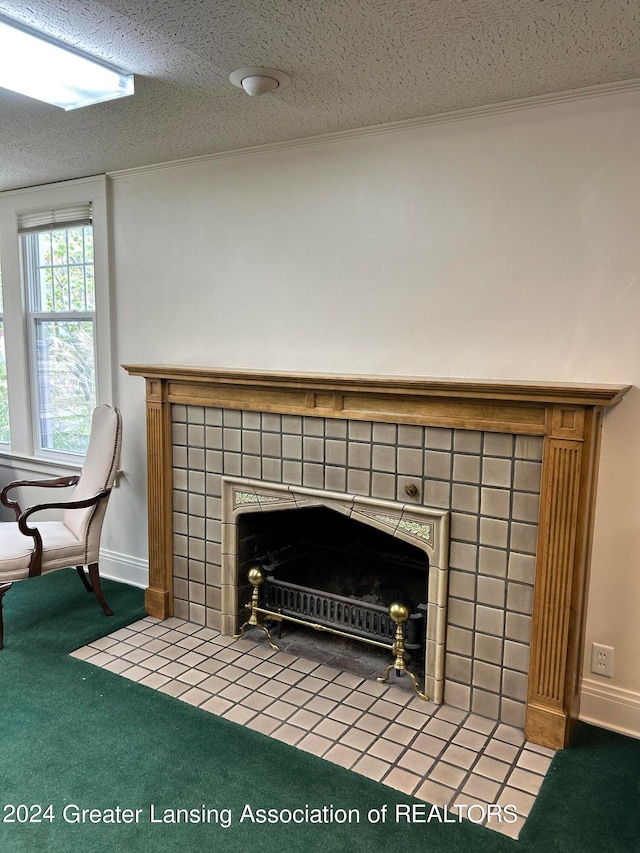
(568, 416)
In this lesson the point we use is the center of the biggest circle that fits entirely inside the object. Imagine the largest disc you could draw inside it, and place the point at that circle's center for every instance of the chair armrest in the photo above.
(57, 483)
(35, 564)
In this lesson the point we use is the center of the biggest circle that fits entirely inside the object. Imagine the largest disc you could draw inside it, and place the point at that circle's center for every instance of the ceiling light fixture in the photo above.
(34, 65)
(259, 81)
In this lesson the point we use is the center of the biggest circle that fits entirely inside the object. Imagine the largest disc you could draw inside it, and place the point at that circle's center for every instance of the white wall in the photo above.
(502, 246)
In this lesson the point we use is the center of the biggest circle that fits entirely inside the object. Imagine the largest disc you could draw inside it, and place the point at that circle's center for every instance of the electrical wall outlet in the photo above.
(602, 660)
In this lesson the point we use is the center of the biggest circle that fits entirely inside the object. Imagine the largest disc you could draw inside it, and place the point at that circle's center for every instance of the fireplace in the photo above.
(329, 571)
(339, 561)
(512, 464)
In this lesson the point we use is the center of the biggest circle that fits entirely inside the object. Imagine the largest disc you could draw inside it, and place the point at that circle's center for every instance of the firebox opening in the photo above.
(333, 569)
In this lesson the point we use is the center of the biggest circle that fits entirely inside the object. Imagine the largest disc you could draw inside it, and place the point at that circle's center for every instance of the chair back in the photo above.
(98, 473)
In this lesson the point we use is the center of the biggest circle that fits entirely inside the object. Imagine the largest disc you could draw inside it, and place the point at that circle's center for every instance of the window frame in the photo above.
(3, 444)
(23, 420)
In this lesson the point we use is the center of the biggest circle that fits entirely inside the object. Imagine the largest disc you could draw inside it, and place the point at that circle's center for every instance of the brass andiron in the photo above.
(399, 613)
(256, 578)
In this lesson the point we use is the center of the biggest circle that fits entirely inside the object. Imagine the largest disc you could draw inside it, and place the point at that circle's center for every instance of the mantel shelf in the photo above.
(584, 394)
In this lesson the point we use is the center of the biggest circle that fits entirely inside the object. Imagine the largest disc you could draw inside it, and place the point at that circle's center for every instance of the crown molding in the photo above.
(535, 102)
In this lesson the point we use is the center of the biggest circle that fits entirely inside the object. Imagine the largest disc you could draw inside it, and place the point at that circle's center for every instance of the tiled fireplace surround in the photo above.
(490, 483)
(512, 465)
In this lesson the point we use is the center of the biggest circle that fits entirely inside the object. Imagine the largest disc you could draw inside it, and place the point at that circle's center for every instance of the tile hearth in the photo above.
(439, 754)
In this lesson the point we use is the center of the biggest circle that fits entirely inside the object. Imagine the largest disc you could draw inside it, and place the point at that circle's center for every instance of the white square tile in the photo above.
(386, 750)
(345, 756)
(371, 767)
(288, 734)
(174, 688)
(239, 714)
(195, 696)
(402, 780)
(315, 744)
(530, 760)
(435, 793)
(216, 705)
(525, 781)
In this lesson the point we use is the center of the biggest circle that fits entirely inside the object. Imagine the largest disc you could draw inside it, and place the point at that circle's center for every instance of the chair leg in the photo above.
(84, 579)
(4, 588)
(94, 574)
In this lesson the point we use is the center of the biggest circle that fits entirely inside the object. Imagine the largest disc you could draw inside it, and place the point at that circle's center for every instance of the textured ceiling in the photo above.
(353, 63)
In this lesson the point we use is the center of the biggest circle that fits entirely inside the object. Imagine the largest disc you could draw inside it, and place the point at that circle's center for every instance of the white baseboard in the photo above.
(610, 707)
(124, 568)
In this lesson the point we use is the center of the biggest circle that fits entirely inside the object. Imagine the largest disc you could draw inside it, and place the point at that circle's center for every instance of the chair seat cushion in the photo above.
(60, 548)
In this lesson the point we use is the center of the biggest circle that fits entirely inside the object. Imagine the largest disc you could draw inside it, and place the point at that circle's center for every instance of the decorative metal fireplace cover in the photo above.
(425, 528)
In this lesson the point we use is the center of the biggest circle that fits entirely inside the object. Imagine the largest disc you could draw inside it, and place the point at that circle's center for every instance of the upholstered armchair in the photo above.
(30, 548)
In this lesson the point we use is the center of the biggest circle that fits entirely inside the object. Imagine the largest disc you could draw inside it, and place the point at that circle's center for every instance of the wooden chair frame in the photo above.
(91, 584)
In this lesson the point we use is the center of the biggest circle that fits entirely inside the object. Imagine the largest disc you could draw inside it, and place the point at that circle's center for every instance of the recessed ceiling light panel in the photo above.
(34, 65)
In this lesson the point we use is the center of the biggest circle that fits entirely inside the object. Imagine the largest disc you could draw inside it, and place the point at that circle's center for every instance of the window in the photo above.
(58, 359)
(58, 270)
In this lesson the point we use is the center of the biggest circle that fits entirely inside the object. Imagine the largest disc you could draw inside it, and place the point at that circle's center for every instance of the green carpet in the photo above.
(76, 735)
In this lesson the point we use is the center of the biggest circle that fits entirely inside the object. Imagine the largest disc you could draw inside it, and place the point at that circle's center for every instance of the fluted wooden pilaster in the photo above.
(159, 594)
(567, 495)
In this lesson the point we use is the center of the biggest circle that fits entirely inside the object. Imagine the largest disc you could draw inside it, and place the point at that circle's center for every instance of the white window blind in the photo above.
(74, 216)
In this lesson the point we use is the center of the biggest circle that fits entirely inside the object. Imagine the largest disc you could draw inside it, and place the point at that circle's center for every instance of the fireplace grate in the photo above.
(360, 619)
